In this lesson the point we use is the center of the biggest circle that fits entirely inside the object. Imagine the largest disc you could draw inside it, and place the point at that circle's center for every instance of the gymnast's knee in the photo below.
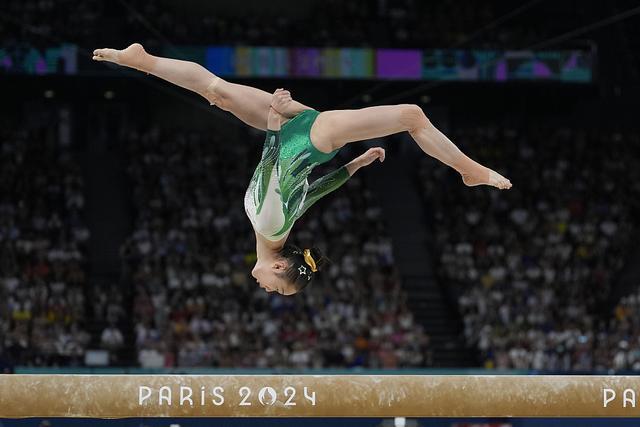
(214, 93)
(412, 117)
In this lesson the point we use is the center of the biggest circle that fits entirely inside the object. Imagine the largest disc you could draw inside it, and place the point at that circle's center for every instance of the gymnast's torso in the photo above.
(279, 191)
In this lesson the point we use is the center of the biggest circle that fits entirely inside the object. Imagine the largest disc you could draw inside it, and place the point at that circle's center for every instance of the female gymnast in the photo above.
(298, 139)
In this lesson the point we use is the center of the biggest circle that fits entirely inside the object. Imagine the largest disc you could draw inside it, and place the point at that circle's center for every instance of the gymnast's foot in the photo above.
(486, 176)
(134, 56)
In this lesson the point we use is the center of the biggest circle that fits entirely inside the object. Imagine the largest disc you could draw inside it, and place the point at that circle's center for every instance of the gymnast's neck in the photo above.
(267, 250)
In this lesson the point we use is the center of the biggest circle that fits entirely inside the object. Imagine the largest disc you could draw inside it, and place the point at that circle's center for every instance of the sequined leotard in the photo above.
(279, 192)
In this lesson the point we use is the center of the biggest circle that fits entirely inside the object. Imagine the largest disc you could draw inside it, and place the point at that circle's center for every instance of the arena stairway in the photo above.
(408, 224)
(108, 216)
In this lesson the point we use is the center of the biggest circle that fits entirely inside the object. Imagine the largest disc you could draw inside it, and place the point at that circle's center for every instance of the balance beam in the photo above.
(120, 396)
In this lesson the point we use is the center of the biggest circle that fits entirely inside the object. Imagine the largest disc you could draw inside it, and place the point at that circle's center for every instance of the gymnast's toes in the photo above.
(106, 54)
(487, 177)
(499, 181)
(130, 56)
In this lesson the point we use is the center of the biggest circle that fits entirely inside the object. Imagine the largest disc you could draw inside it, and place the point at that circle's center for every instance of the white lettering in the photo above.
(607, 400)
(629, 396)
(311, 398)
(272, 395)
(245, 392)
(218, 396)
(164, 394)
(290, 392)
(184, 397)
(147, 394)
(268, 396)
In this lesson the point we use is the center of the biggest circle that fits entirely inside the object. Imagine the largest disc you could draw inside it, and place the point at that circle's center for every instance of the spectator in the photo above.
(534, 266)
(111, 338)
(192, 250)
(42, 246)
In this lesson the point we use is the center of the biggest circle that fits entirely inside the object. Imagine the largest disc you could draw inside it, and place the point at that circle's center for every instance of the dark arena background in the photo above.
(125, 247)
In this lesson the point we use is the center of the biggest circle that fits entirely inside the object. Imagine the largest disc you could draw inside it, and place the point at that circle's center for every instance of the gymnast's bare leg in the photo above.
(334, 129)
(247, 103)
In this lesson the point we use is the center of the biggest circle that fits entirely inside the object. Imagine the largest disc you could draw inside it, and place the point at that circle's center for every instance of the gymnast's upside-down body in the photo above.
(298, 139)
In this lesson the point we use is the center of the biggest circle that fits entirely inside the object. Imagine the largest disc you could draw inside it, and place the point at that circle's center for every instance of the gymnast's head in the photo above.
(292, 270)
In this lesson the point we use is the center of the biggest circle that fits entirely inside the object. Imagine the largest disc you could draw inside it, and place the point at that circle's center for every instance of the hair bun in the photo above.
(318, 257)
(299, 270)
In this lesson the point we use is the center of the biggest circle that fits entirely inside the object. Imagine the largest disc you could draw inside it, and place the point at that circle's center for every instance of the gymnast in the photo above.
(298, 139)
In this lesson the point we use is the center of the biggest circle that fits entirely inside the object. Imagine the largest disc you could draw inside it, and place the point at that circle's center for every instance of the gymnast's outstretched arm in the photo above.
(249, 104)
(271, 147)
(334, 180)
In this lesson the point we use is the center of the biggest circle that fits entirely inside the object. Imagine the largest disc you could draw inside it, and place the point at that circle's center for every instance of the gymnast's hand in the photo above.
(371, 155)
(280, 100)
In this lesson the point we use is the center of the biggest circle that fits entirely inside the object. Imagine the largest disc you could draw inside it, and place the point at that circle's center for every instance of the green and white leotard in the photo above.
(279, 192)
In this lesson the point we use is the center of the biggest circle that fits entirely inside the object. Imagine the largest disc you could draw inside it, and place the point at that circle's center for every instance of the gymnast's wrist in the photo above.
(272, 110)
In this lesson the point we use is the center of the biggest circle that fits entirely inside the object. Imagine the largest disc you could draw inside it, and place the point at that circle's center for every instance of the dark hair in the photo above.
(299, 272)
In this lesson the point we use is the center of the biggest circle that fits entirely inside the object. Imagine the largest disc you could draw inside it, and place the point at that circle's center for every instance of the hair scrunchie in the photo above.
(309, 260)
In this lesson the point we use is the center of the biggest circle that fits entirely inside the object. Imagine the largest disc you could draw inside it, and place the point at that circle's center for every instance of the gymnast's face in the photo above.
(271, 277)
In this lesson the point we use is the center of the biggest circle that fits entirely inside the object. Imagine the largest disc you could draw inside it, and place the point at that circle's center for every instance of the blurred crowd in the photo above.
(381, 23)
(42, 247)
(190, 255)
(624, 334)
(533, 267)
